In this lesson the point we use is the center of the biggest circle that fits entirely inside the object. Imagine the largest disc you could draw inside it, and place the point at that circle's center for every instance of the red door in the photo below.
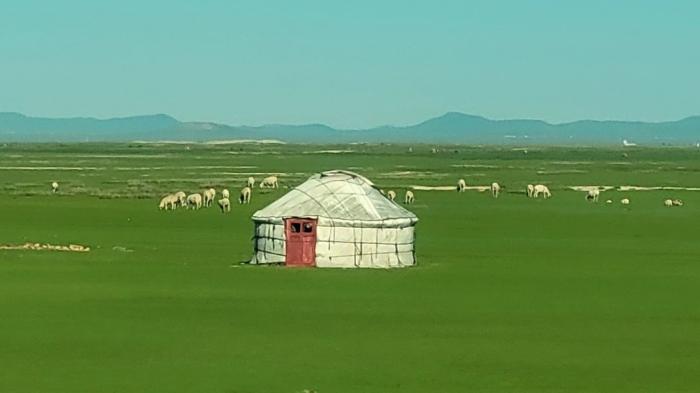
(301, 242)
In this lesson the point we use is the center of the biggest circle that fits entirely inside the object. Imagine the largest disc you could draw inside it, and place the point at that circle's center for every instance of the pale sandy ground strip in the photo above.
(158, 168)
(329, 152)
(220, 142)
(252, 153)
(657, 188)
(119, 155)
(449, 188)
(572, 162)
(590, 188)
(475, 166)
(562, 172)
(51, 168)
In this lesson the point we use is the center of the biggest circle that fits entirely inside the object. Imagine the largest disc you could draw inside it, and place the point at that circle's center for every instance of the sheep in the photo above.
(181, 198)
(677, 202)
(245, 195)
(224, 193)
(269, 182)
(251, 182)
(461, 185)
(530, 190)
(541, 189)
(224, 205)
(668, 203)
(495, 189)
(409, 198)
(194, 201)
(625, 201)
(54, 187)
(208, 197)
(609, 201)
(391, 195)
(593, 195)
(168, 202)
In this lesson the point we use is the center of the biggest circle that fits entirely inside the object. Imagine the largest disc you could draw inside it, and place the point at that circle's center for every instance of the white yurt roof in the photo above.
(342, 197)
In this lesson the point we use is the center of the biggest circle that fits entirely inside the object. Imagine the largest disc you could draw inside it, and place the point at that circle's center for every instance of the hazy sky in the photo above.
(351, 63)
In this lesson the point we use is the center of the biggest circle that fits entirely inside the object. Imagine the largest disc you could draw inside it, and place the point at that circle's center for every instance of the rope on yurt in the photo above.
(396, 245)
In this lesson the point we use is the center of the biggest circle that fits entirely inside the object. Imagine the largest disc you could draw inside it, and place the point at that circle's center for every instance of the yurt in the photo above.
(335, 219)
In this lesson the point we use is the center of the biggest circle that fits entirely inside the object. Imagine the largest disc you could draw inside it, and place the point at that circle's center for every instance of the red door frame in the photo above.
(300, 247)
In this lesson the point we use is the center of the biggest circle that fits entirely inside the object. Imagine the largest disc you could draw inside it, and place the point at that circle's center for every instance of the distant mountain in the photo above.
(452, 127)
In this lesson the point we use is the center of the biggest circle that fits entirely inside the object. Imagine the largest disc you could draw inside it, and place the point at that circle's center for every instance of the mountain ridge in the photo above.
(451, 127)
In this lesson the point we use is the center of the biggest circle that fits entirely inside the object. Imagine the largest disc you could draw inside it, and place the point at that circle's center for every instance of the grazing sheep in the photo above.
(541, 189)
(224, 193)
(54, 187)
(208, 197)
(181, 198)
(668, 203)
(251, 182)
(495, 189)
(269, 182)
(245, 195)
(224, 205)
(461, 185)
(625, 201)
(391, 195)
(194, 201)
(409, 198)
(677, 202)
(609, 201)
(530, 190)
(169, 202)
(593, 195)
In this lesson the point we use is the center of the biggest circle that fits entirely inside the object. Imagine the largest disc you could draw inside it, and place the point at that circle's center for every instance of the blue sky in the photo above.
(351, 63)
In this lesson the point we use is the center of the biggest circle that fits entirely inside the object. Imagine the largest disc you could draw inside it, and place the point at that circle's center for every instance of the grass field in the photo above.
(510, 295)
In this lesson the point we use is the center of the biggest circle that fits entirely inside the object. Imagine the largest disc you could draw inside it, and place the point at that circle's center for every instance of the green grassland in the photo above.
(510, 295)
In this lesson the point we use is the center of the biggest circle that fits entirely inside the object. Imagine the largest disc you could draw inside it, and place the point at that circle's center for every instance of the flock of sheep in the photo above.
(206, 198)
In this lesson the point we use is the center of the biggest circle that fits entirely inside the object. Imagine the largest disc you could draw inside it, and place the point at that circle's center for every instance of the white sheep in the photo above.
(181, 198)
(245, 195)
(541, 189)
(251, 182)
(495, 189)
(194, 201)
(269, 182)
(593, 195)
(54, 187)
(461, 185)
(168, 202)
(609, 201)
(208, 197)
(677, 202)
(409, 198)
(224, 193)
(625, 201)
(391, 195)
(224, 205)
(530, 190)
(668, 203)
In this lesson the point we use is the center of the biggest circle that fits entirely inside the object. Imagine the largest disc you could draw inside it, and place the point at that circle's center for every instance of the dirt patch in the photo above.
(45, 247)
